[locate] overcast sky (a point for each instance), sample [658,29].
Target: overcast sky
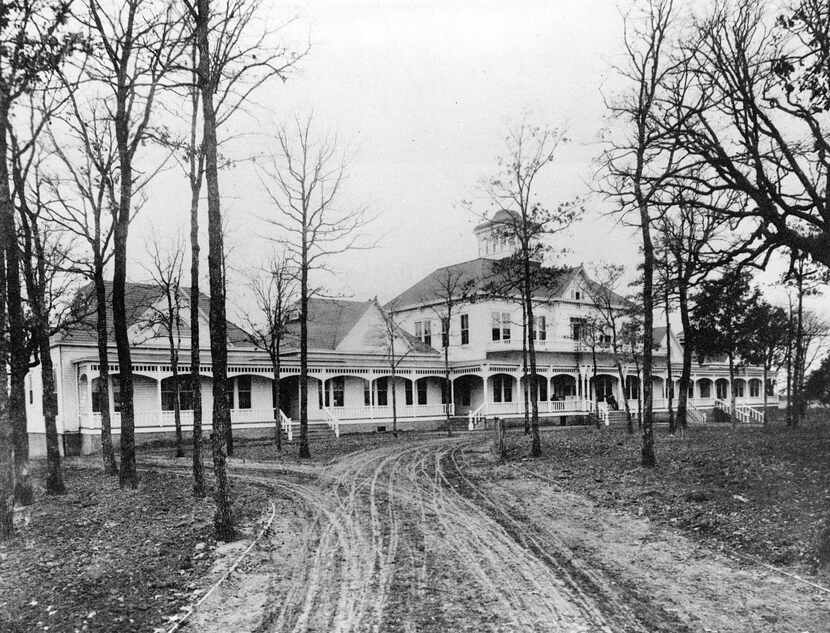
[422,94]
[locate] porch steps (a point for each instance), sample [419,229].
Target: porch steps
[316,431]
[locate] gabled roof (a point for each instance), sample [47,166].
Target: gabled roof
[480,273]
[329,321]
[138,299]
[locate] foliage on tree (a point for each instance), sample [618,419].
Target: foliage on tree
[722,323]
[817,387]
[768,328]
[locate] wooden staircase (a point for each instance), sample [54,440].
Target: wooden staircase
[316,431]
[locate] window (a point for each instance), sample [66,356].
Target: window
[576,294]
[605,340]
[445,332]
[408,392]
[168,394]
[577,328]
[502,388]
[465,329]
[243,386]
[540,332]
[422,391]
[445,392]
[541,389]
[367,393]
[720,389]
[334,392]
[116,394]
[97,395]
[501,326]
[381,384]
[738,387]
[705,389]
[423,331]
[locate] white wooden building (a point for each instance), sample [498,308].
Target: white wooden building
[350,366]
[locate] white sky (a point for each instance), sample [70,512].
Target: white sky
[422,93]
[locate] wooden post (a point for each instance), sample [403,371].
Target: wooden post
[500,432]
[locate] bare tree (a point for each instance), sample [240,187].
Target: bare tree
[7,466]
[83,192]
[140,42]
[304,182]
[275,291]
[641,159]
[391,332]
[166,273]
[34,42]
[523,221]
[611,311]
[451,290]
[228,56]
[752,119]
[48,291]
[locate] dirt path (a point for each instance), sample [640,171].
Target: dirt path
[421,537]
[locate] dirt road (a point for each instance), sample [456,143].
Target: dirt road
[420,536]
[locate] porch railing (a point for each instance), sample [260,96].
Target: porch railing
[286,425]
[475,418]
[333,421]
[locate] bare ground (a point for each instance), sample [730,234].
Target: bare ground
[434,535]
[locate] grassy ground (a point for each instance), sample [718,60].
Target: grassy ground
[103,559]
[762,491]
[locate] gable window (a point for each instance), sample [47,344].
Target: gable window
[422,391]
[577,328]
[540,332]
[407,390]
[500,326]
[381,384]
[445,332]
[502,388]
[423,331]
[465,329]
[576,294]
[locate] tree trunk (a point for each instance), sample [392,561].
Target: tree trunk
[686,371]
[620,374]
[732,408]
[223,519]
[536,445]
[800,353]
[764,387]
[18,357]
[54,476]
[7,465]
[647,453]
[669,376]
[524,368]
[177,407]
[789,364]
[196,162]
[107,450]
[275,395]
[448,391]
[304,452]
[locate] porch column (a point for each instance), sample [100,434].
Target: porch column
[452,397]
[486,395]
[158,399]
[111,402]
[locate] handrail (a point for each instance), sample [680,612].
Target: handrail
[602,409]
[286,425]
[332,421]
[474,417]
[694,414]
